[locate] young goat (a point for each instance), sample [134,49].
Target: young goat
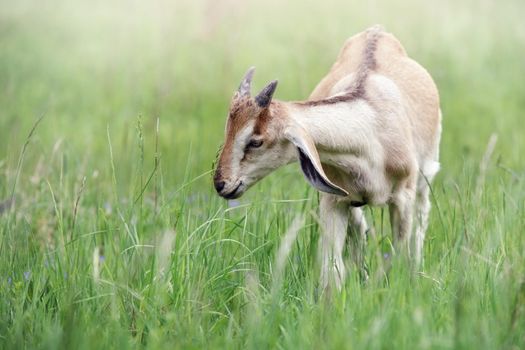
[369,134]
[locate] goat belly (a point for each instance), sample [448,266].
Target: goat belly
[364,185]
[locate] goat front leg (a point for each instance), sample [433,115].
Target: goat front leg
[334,222]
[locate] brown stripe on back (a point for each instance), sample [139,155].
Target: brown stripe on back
[368,64]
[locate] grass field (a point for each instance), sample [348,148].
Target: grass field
[111,235]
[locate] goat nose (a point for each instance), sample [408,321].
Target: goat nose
[219,185]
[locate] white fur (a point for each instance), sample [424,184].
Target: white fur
[352,141]
[350,136]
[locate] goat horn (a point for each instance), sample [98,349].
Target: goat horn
[244,87]
[264,97]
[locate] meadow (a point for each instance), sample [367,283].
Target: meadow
[111,234]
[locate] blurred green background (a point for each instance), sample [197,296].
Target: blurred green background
[89,65]
[102,73]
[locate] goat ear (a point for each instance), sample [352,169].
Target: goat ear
[310,162]
[264,97]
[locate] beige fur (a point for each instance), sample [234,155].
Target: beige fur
[419,93]
[369,134]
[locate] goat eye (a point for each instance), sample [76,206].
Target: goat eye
[254,144]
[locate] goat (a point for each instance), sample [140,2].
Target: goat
[368,135]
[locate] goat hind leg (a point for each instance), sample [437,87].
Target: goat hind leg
[357,240]
[423,208]
[401,212]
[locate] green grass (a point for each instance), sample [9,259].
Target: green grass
[116,238]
